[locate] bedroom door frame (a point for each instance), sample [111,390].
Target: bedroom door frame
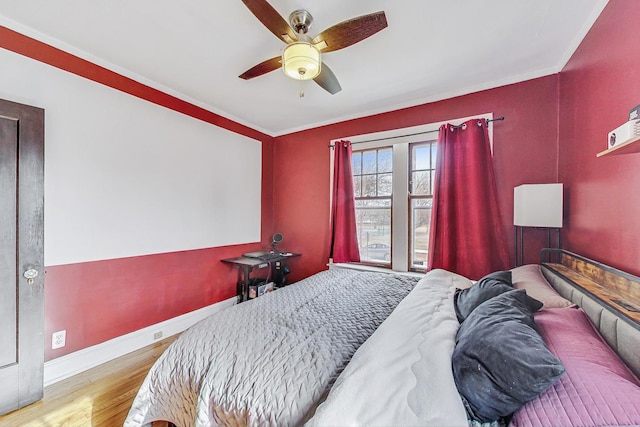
[21,255]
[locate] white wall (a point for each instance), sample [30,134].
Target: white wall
[125,177]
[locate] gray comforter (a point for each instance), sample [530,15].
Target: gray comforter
[269,361]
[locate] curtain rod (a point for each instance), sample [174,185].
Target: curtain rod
[413,134]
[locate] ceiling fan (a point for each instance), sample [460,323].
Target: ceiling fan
[301,58]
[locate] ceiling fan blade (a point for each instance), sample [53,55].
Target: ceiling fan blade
[262,68]
[351,31]
[327,80]
[271,19]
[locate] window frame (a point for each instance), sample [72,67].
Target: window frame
[377,174]
[411,197]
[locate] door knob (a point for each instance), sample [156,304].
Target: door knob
[30,274]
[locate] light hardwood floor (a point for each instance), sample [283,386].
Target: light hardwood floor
[98,397]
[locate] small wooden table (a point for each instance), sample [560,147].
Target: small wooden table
[246,265]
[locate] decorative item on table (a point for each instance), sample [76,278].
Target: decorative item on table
[277,238]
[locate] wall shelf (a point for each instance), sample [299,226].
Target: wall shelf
[626,147]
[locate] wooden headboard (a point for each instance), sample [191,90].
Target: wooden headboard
[610,297]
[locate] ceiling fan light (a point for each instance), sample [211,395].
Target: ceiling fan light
[301,61]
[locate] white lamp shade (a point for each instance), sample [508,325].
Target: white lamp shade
[301,61]
[537,205]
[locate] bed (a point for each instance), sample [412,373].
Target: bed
[346,347]
[271,360]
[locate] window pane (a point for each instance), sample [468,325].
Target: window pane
[433,155]
[421,157]
[385,160]
[420,224]
[432,176]
[369,185]
[356,159]
[421,183]
[374,234]
[385,184]
[373,203]
[357,186]
[369,162]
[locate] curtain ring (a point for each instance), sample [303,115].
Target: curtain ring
[464,126]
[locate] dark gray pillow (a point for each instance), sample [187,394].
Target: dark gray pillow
[491,285]
[500,361]
[503,276]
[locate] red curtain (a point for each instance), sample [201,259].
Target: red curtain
[344,237]
[466,231]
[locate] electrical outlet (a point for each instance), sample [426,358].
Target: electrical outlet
[58,339]
[157,335]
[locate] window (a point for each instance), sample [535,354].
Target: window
[393,174]
[373,177]
[422,158]
[373,182]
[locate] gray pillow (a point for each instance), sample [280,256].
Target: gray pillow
[491,285]
[502,276]
[500,362]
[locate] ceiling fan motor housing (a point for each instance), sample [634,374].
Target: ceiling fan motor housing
[300,21]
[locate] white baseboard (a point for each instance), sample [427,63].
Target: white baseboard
[73,363]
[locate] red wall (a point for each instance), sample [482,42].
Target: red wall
[599,86]
[98,301]
[525,151]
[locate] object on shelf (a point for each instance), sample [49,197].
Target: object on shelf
[624,133]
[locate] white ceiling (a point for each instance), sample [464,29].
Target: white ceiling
[195,49]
